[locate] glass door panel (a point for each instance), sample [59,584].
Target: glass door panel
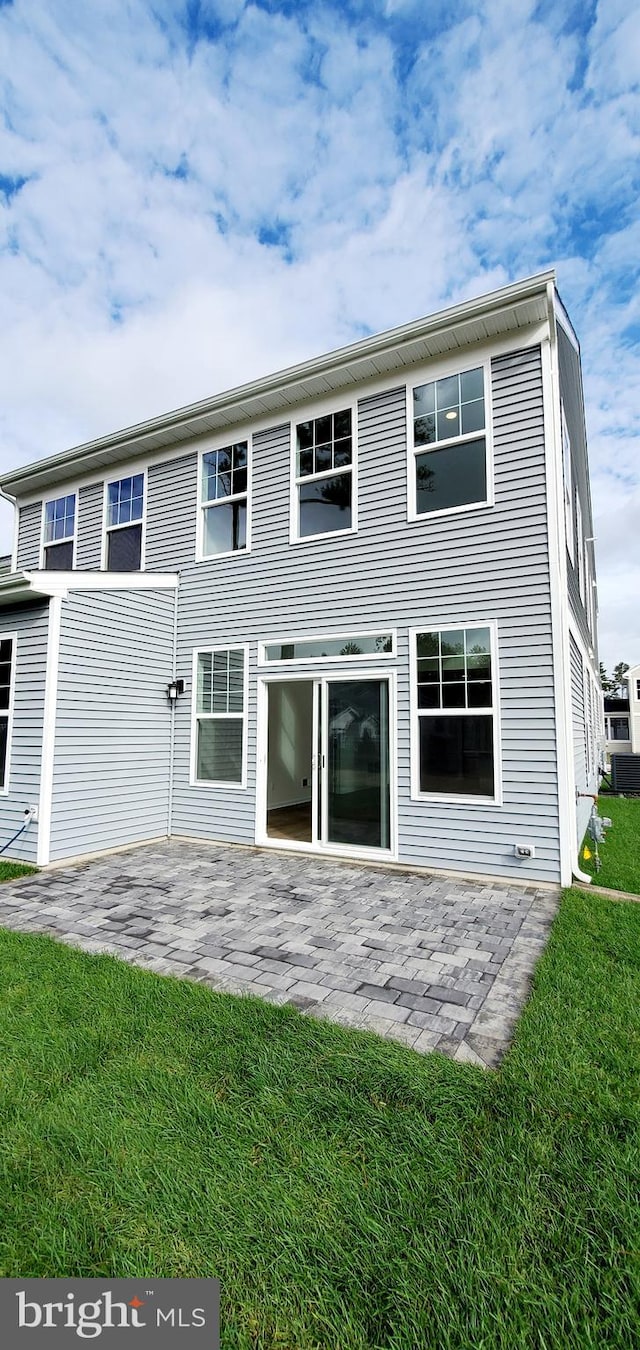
[355,761]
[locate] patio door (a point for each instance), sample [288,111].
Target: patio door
[328,763]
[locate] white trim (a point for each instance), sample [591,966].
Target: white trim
[60,583]
[310,413]
[230,717]
[45,805]
[52,543]
[16,528]
[108,529]
[456,798]
[13,638]
[327,637]
[452,365]
[320,683]
[222,442]
[172,713]
[559,598]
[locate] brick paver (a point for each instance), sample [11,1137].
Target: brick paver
[430,961]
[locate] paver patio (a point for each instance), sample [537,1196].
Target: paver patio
[429,961]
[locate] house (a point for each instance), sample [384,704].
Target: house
[622,718]
[348,609]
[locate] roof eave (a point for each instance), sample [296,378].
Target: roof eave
[294,384]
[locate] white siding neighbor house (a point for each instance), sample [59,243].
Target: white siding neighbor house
[347,609]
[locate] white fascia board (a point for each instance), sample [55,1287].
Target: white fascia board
[292,384]
[45,804]
[60,583]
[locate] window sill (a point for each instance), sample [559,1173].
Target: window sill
[455,799]
[217,557]
[328,534]
[415,516]
[217,783]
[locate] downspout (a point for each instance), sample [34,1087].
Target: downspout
[16,520]
[172,714]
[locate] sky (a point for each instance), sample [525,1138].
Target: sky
[196,194]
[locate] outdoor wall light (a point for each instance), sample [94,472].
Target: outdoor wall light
[174,689]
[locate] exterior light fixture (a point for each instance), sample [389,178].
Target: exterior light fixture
[174,689]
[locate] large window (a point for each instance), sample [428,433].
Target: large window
[125,510]
[7,645]
[455,710]
[224,489]
[59,533]
[617,728]
[324,475]
[220,716]
[449,470]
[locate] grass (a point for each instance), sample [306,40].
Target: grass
[350,1194]
[620,851]
[10,870]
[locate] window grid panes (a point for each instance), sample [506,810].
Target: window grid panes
[224,499]
[125,500]
[324,458]
[59,519]
[318,649]
[450,442]
[220,713]
[454,681]
[6,670]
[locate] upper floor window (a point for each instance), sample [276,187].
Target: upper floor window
[568,490]
[224,496]
[7,649]
[580,548]
[59,533]
[125,510]
[455,709]
[324,490]
[449,470]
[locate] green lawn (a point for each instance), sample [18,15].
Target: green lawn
[349,1193]
[620,852]
[10,870]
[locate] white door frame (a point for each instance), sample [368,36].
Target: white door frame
[319,681]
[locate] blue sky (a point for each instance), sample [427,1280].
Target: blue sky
[195,194]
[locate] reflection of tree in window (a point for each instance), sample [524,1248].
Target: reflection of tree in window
[351,649]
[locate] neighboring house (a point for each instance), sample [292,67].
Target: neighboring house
[349,608]
[622,718]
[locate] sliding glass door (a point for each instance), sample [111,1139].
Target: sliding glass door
[328,769]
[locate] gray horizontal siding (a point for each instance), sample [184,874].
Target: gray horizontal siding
[579,719]
[31,626]
[29,532]
[171,515]
[487,563]
[89,541]
[111,767]
[572,398]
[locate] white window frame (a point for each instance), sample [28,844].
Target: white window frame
[222,443]
[312,413]
[219,784]
[111,529]
[69,539]
[580,547]
[462,799]
[350,658]
[8,713]
[442,372]
[567,485]
[617,717]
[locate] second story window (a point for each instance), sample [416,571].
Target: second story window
[59,534]
[224,487]
[324,475]
[449,472]
[125,509]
